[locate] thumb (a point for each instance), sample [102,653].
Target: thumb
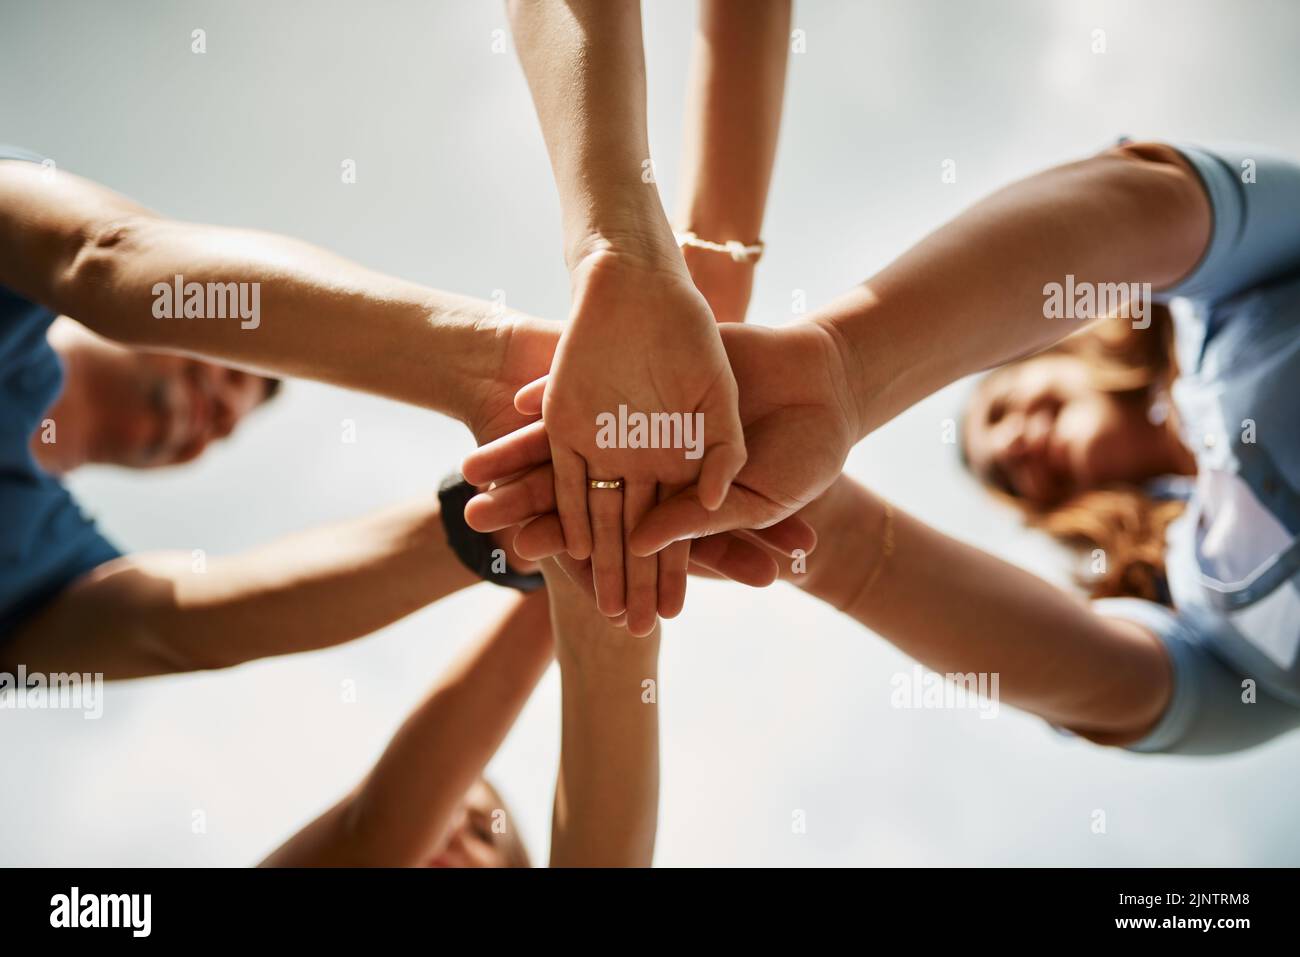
[722,462]
[528,400]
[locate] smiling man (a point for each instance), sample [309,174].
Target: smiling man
[90,374]
[137,409]
[74,399]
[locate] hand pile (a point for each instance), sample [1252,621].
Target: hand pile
[775,410]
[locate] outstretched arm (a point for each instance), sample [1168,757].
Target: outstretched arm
[641,338]
[86,252]
[733,116]
[403,811]
[607,793]
[166,612]
[971,295]
[959,610]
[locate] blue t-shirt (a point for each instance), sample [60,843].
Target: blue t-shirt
[45,541]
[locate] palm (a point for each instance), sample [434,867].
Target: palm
[644,341]
[794,403]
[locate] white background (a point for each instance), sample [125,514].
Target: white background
[770,703]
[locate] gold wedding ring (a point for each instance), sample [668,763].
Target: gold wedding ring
[601,483]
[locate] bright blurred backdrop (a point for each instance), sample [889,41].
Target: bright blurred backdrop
[771,704]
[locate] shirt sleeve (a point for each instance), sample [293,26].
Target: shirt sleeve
[10,152]
[1210,711]
[1255,202]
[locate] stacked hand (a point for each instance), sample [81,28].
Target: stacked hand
[798,427]
[522,349]
[619,353]
[642,350]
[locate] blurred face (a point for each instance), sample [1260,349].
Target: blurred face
[1043,432]
[155,410]
[471,841]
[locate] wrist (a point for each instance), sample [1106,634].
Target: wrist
[725,283]
[418,538]
[852,370]
[484,354]
[718,217]
[465,351]
[846,556]
[632,227]
[606,663]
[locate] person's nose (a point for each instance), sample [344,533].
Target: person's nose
[1023,439]
[226,398]
[1038,426]
[1010,444]
[223,417]
[1018,454]
[457,850]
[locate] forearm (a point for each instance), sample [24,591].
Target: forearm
[402,811]
[585,66]
[958,610]
[733,116]
[112,265]
[169,612]
[971,295]
[321,317]
[607,791]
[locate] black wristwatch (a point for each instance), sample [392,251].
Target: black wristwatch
[475,549]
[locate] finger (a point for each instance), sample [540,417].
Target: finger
[682,516]
[578,572]
[721,463]
[571,501]
[528,400]
[736,559]
[523,566]
[605,506]
[501,506]
[506,539]
[703,571]
[641,574]
[541,538]
[788,536]
[674,563]
[503,457]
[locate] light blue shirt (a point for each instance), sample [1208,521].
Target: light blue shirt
[1233,557]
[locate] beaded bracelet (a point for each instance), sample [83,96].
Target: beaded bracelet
[738,251]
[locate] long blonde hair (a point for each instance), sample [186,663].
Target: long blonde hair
[1122,520]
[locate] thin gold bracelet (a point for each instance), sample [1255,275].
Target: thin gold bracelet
[886,549]
[738,251]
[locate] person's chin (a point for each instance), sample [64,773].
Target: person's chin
[190,451]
